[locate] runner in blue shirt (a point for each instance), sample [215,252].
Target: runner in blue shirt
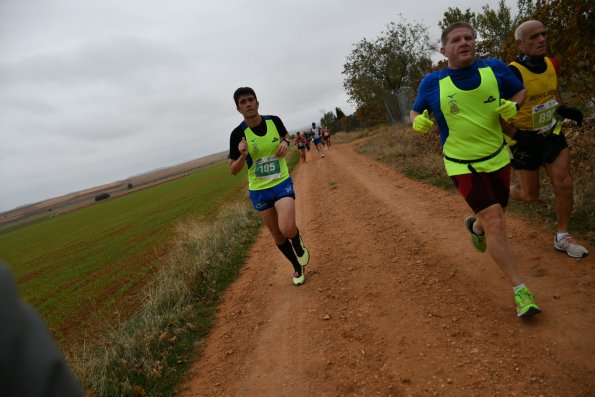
[468,99]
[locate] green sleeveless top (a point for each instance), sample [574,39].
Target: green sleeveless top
[474,125]
[265,169]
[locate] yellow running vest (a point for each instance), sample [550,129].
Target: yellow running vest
[267,170]
[473,125]
[539,109]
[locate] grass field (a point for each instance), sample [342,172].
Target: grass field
[80,267]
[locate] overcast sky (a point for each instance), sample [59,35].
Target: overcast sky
[94,91]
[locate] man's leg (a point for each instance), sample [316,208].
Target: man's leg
[491,220]
[319,148]
[272,220]
[285,209]
[527,187]
[269,217]
[561,179]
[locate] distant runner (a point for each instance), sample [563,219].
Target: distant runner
[261,143]
[315,131]
[326,137]
[301,142]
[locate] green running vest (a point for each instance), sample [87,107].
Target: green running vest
[473,125]
[266,170]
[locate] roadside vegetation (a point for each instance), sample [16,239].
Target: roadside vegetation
[149,352]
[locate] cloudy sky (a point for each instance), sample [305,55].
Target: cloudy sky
[94,91]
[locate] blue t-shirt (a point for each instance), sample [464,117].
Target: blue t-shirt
[428,95]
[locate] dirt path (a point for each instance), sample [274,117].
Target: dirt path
[396,302]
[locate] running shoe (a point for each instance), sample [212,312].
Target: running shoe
[568,245]
[299,280]
[525,303]
[479,241]
[302,254]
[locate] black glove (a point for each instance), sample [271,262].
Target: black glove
[571,113]
[523,137]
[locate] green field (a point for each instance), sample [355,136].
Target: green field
[77,268]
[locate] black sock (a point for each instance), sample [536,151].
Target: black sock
[287,250]
[295,241]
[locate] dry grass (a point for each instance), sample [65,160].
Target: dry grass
[149,353]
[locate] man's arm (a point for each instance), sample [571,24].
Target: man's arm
[519,97]
[236,165]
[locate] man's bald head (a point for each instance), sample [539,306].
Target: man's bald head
[531,38]
[520,32]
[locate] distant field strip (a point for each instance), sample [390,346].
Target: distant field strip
[80,266]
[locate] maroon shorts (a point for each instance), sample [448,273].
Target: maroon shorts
[484,188]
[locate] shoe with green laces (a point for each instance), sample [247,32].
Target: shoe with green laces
[479,241]
[525,303]
[299,279]
[302,254]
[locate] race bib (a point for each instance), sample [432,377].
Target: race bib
[543,115]
[267,168]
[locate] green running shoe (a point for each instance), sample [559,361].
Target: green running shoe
[297,279]
[479,241]
[525,303]
[302,254]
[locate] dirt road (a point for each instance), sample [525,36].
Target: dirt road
[397,302]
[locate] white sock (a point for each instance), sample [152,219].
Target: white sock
[560,236]
[518,287]
[479,232]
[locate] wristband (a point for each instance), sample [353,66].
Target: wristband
[286,140]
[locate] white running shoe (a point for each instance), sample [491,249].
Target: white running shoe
[568,245]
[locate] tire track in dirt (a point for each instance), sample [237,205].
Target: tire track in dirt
[396,302]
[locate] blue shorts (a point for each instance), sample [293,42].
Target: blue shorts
[317,141]
[265,199]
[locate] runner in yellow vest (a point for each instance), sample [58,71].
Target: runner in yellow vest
[261,143]
[536,131]
[468,101]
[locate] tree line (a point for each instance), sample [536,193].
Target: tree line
[379,71]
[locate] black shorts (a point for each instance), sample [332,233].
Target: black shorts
[538,150]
